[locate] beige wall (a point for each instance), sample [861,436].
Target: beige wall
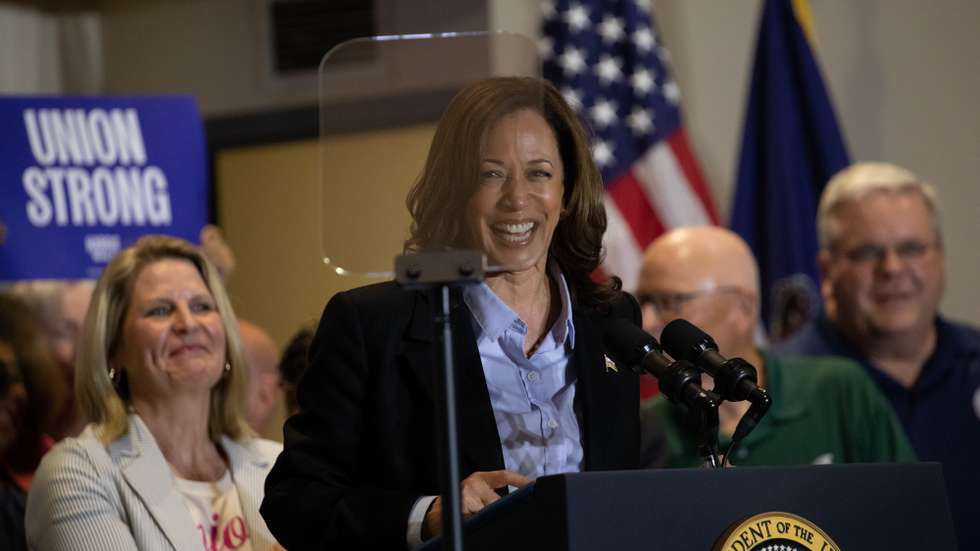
[269,203]
[217,50]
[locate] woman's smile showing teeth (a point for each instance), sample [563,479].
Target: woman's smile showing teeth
[514,233]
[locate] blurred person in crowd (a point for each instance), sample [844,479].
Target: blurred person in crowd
[13,402]
[217,251]
[169,461]
[13,396]
[262,388]
[824,410]
[60,306]
[29,384]
[509,173]
[292,366]
[882,261]
[45,389]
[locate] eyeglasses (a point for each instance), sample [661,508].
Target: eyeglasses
[908,251]
[669,302]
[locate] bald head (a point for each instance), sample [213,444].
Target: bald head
[705,274]
[263,380]
[699,257]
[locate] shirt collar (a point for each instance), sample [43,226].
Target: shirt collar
[940,363]
[492,316]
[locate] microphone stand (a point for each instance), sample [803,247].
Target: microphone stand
[675,385]
[702,403]
[707,434]
[439,273]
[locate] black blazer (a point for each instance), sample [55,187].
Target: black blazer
[364,448]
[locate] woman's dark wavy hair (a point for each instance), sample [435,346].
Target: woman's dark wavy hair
[437,201]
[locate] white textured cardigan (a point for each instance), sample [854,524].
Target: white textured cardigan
[87,496]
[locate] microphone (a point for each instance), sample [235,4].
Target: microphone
[735,379]
[680,381]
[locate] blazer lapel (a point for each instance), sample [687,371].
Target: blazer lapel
[598,395]
[417,350]
[248,470]
[148,474]
[479,440]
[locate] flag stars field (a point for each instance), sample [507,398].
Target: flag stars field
[602,153]
[640,121]
[644,40]
[608,70]
[642,81]
[611,29]
[572,61]
[603,113]
[577,17]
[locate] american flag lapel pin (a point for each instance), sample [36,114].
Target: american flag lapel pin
[610,365]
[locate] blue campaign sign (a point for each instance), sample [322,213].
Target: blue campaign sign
[83,177]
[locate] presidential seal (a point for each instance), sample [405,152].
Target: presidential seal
[775,531]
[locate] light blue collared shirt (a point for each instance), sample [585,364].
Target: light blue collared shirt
[533,398]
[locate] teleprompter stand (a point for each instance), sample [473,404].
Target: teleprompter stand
[438,273]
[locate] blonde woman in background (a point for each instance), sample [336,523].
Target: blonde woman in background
[169,462]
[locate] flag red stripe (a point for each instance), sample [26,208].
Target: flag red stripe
[682,152]
[648,387]
[632,203]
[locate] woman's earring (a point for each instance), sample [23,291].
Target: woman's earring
[227,367]
[114,376]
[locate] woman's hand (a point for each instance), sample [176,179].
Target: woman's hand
[478,492]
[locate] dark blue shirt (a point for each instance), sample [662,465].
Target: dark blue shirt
[940,412]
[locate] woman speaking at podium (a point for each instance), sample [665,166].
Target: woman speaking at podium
[509,173]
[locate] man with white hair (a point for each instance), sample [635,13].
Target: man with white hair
[825,410]
[882,261]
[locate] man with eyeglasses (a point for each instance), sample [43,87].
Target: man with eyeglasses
[825,410]
[881,258]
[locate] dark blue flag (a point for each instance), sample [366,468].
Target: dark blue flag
[791,146]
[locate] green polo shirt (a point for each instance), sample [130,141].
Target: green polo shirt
[824,410]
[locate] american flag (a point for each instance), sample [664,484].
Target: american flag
[607,59]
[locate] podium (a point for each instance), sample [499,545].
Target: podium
[866,507]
